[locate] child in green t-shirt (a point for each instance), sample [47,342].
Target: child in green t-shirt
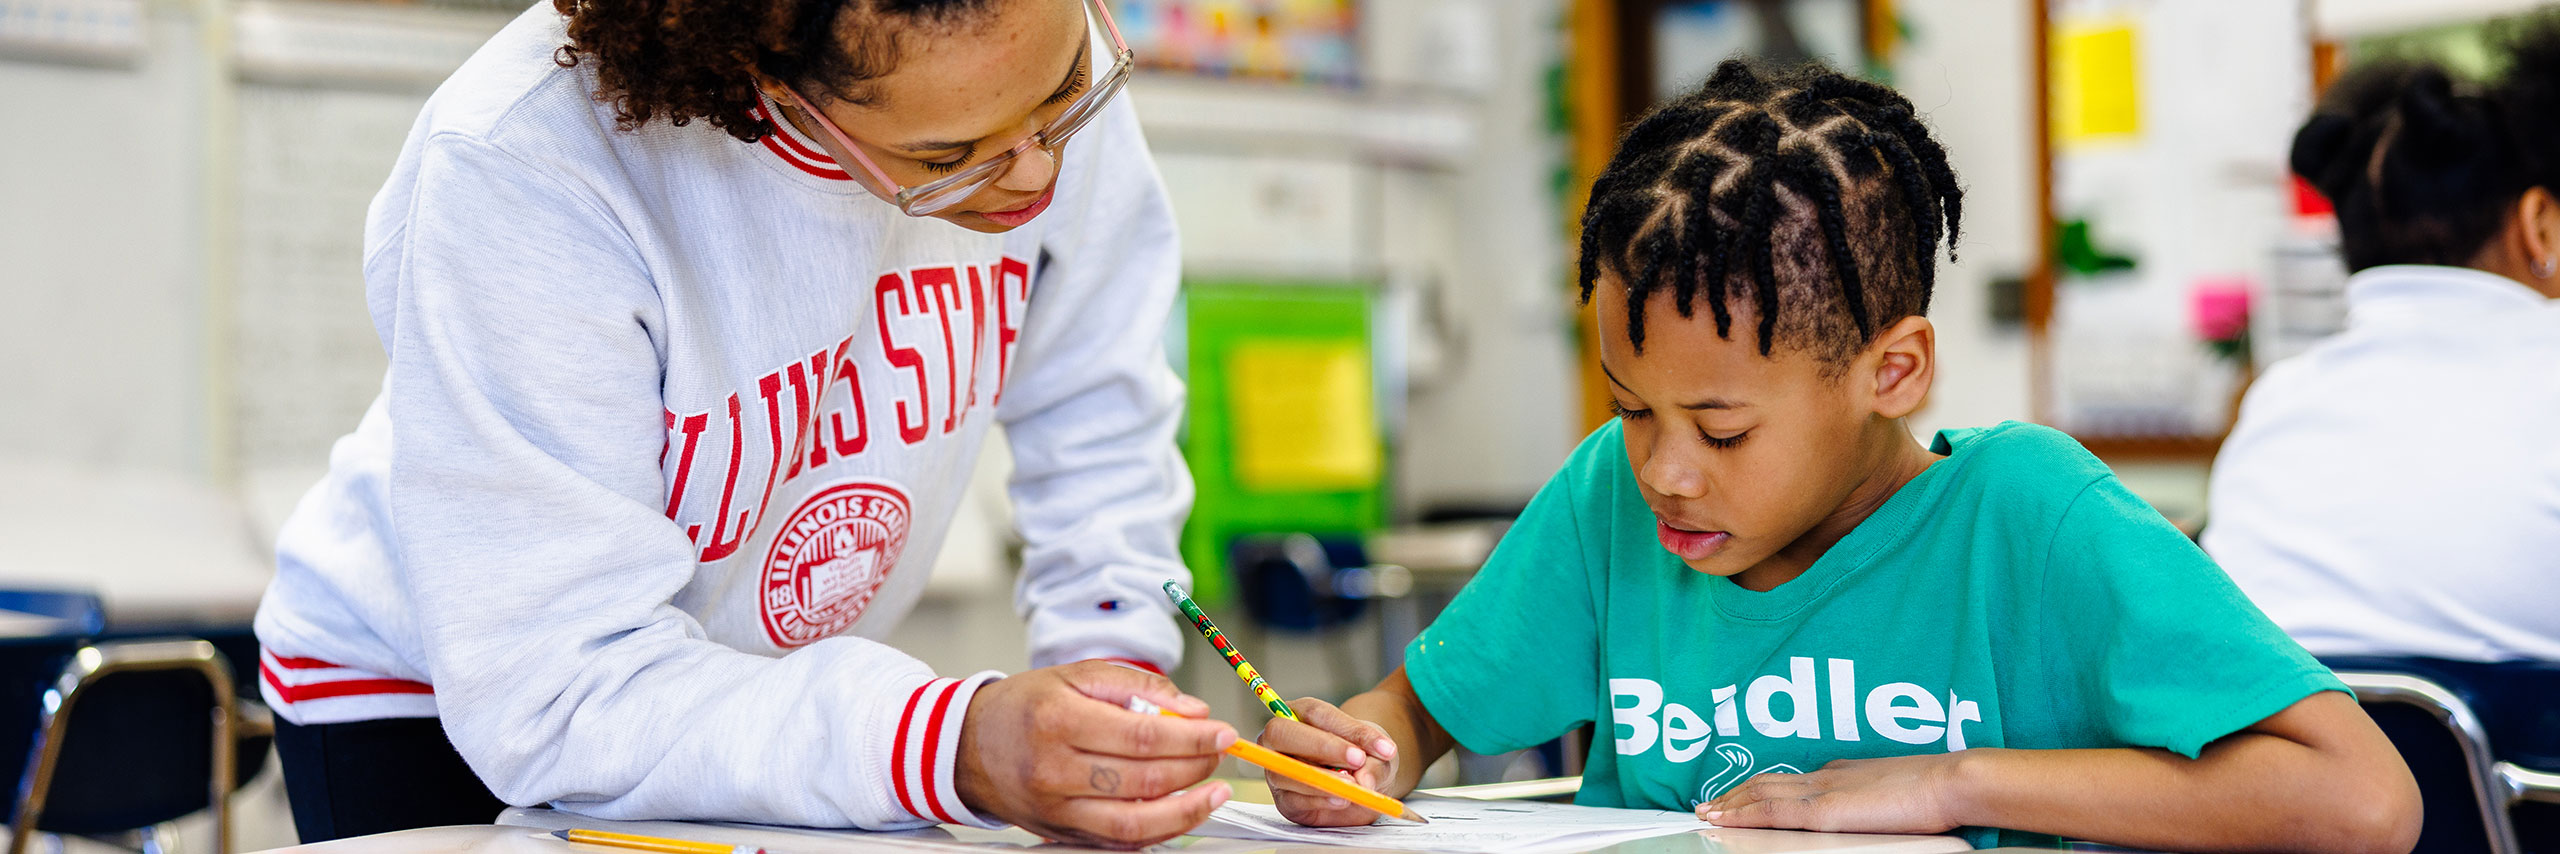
[1987,631]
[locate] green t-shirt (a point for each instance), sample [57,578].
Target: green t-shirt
[2013,594]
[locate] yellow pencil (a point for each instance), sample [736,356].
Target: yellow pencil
[651,843]
[1290,767]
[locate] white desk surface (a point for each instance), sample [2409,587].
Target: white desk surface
[157,548]
[527,831]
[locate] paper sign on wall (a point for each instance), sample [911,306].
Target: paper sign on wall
[1302,414]
[2097,81]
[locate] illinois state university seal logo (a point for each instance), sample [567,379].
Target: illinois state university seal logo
[830,558]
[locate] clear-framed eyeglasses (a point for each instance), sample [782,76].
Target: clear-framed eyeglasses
[941,193]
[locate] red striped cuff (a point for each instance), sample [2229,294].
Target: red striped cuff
[923,759]
[1133,664]
[295,680]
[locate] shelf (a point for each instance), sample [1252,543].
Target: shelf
[416,47]
[1410,129]
[95,32]
[363,44]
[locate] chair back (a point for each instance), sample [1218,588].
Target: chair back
[2448,752]
[1303,582]
[138,753]
[127,734]
[39,630]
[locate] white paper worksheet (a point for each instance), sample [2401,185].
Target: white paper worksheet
[1463,825]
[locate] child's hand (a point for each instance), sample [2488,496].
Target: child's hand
[1903,794]
[1328,737]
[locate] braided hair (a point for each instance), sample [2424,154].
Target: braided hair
[1778,185]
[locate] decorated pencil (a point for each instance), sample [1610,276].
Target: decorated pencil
[1244,669]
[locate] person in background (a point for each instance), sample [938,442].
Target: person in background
[2395,490]
[698,314]
[2391,497]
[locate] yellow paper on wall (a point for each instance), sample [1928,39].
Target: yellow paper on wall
[1302,414]
[2097,81]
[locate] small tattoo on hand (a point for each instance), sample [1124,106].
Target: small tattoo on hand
[1105,780]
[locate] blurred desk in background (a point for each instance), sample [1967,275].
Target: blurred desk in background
[1441,558]
[164,552]
[1451,551]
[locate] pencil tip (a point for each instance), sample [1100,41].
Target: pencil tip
[560,833]
[1415,817]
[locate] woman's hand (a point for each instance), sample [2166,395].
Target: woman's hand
[1057,751]
[1328,737]
[1903,794]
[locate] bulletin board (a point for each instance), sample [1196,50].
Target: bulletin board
[1630,54]
[1691,37]
[1313,41]
[1282,432]
[2169,211]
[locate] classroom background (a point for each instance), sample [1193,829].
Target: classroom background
[1380,332]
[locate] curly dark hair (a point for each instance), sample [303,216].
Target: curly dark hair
[2423,165]
[2418,164]
[1822,196]
[697,59]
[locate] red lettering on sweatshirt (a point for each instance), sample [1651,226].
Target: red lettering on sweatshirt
[723,545]
[799,375]
[905,358]
[768,387]
[693,426]
[847,445]
[812,429]
[977,326]
[1009,271]
[939,287]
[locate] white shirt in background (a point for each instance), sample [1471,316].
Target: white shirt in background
[673,429]
[2396,489]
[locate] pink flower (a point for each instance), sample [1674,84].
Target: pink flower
[2220,308]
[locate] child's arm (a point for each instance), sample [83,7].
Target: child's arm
[2318,776]
[1382,739]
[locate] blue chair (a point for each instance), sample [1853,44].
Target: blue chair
[115,736]
[1302,582]
[2468,792]
[46,614]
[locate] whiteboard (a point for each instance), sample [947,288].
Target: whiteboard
[306,359]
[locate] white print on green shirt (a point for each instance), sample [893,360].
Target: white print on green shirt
[1899,711]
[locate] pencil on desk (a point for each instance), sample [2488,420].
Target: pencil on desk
[1290,767]
[1244,669]
[637,842]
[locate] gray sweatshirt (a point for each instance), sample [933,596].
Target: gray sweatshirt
[673,429]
